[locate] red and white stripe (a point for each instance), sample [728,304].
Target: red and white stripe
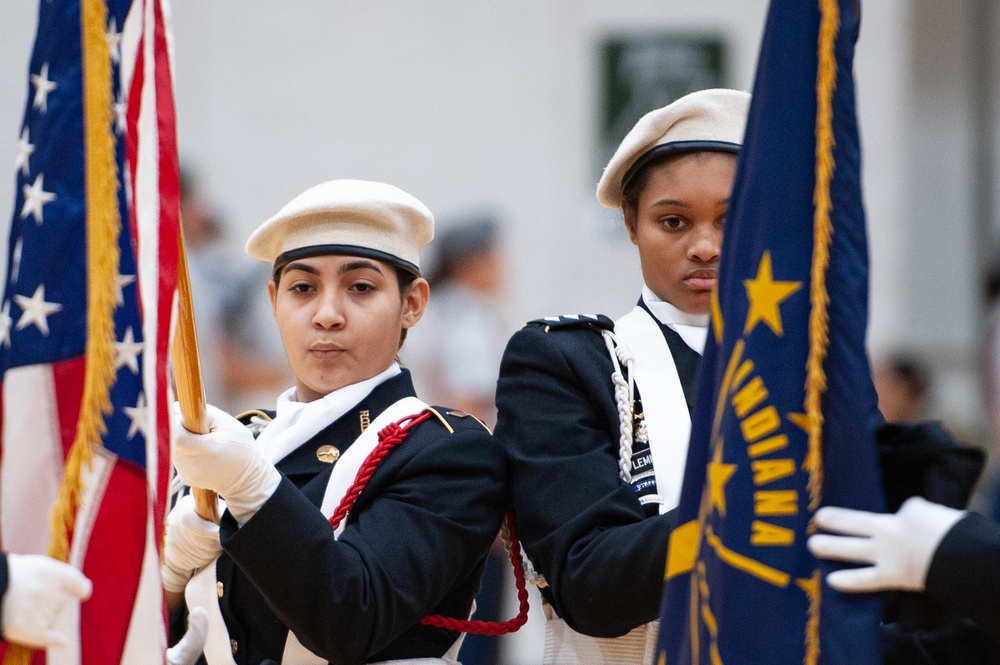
[119,526]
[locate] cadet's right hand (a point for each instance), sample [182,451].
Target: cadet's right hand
[38,589]
[191,544]
[226,461]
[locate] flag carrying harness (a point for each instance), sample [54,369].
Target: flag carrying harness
[391,436]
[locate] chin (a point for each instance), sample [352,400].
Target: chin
[698,304]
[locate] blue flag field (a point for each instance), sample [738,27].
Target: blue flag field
[786,409]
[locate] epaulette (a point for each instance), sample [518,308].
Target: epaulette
[598,321]
[256,420]
[441,412]
[247,416]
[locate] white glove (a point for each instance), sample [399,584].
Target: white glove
[188,650]
[226,461]
[899,547]
[191,544]
[38,589]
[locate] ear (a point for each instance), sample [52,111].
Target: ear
[415,301]
[272,293]
[631,222]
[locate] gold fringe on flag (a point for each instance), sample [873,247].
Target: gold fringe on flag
[103,228]
[819,320]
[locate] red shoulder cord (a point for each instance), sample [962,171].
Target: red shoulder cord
[391,436]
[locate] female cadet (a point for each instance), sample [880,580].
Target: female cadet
[289,588]
[594,415]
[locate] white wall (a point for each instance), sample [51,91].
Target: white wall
[466,105]
[494,104]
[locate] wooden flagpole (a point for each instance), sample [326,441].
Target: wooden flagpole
[187,375]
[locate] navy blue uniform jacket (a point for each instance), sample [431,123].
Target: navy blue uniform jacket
[965,572]
[414,544]
[580,524]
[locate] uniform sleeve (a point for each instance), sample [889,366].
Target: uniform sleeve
[3,582]
[964,574]
[579,522]
[423,534]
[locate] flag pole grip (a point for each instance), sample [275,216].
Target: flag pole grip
[187,376]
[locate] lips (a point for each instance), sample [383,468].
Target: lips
[325,349]
[701,280]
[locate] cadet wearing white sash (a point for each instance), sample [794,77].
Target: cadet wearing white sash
[594,415]
[279,584]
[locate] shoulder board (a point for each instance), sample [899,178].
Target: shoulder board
[247,416]
[452,418]
[598,321]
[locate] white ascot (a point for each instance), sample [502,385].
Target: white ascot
[297,422]
[693,328]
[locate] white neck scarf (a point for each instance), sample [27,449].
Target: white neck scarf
[693,328]
[297,422]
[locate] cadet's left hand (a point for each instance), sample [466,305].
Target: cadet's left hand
[38,589]
[899,547]
[226,461]
[190,544]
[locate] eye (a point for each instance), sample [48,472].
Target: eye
[672,222]
[300,287]
[362,287]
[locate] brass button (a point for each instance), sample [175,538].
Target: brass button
[234,645]
[327,454]
[219,588]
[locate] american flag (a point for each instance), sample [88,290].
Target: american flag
[59,273]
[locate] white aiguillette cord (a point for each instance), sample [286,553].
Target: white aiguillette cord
[664,408]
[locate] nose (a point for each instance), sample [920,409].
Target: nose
[329,312]
[706,244]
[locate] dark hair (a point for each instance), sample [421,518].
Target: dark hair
[634,186]
[461,241]
[911,371]
[991,277]
[405,279]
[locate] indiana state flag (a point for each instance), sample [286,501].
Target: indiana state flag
[786,410]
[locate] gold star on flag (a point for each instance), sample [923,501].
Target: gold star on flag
[718,475]
[766,296]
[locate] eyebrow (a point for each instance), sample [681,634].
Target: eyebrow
[300,265]
[685,204]
[672,202]
[359,264]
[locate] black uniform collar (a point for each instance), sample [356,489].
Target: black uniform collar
[346,429]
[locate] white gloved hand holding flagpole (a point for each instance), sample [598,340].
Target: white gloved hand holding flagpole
[38,589]
[899,547]
[191,544]
[226,461]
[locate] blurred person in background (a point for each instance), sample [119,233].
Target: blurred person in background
[903,384]
[989,350]
[456,352]
[240,349]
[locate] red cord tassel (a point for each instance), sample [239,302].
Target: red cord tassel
[391,436]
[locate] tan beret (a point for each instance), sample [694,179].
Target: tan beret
[704,120]
[351,217]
